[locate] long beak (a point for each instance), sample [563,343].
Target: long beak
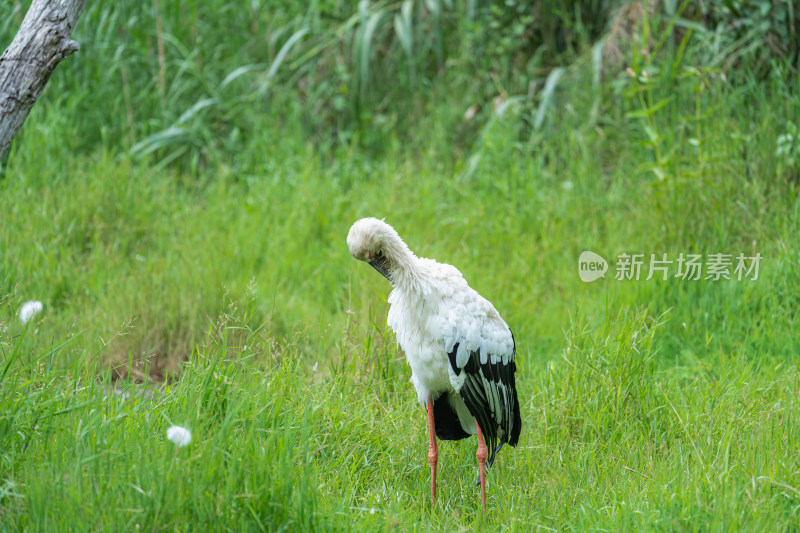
[379,264]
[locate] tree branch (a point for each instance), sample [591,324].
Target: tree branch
[41,43]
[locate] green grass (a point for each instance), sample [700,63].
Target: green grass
[199,276]
[611,441]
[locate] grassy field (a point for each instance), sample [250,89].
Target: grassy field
[179,200]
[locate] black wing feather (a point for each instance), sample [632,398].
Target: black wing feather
[487,385]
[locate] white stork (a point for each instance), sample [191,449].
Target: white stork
[460,350]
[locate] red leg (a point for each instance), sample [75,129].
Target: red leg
[433,452]
[481,455]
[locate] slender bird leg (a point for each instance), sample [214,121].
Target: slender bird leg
[481,455]
[433,452]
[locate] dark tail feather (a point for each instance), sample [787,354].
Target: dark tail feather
[448,425]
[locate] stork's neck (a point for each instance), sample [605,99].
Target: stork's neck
[405,269]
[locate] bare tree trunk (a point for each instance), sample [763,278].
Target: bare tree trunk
[25,67]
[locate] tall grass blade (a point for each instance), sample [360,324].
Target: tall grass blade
[547,97]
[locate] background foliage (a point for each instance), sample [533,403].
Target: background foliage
[179,200]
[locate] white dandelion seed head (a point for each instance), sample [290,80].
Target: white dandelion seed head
[29,309]
[179,435]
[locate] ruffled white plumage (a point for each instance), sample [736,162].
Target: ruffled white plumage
[433,309]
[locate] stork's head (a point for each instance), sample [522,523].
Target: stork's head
[377,243]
